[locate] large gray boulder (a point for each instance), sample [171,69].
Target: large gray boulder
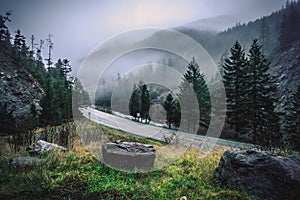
[261,174]
[129,156]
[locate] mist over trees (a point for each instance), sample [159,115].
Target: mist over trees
[119,86]
[266,29]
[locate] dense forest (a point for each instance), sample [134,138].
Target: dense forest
[57,85]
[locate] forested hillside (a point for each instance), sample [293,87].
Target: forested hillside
[32,93]
[266,29]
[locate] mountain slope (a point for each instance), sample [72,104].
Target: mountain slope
[218,23]
[285,68]
[220,43]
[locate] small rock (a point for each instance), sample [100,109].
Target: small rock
[41,146]
[8,77]
[24,161]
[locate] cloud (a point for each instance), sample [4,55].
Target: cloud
[152,13]
[78,26]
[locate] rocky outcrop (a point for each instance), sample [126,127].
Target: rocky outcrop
[18,88]
[128,156]
[261,174]
[285,68]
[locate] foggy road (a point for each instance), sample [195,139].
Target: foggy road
[158,133]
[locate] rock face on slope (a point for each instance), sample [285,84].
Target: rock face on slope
[18,88]
[285,67]
[261,174]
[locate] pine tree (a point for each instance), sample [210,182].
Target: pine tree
[194,79]
[135,104]
[292,128]
[263,121]
[172,108]
[176,113]
[145,102]
[20,44]
[234,67]
[4,32]
[65,71]
[80,97]
[189,107]
[168,105]
[48,114]
[62,91]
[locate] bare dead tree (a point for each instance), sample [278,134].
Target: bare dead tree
[50,47]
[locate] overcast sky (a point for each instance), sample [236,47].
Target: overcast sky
[80,25]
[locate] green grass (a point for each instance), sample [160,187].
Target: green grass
[78,175]
[113,135]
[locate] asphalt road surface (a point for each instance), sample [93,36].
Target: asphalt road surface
[159,133]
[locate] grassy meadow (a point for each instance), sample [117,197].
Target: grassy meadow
[76,174]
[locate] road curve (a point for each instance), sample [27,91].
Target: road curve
[158,133]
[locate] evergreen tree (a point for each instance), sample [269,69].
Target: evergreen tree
[234,79]
[168,105]
[139,104]
[263,121]
[145,102]
[189,107]
[20,44]
[59,92]
[194,79]
[292,128]
[135,104]
[176,112]
[38,71]
[80,97]
[48,115]
[64,89]
[4,32]
[172,108]
[65,71]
